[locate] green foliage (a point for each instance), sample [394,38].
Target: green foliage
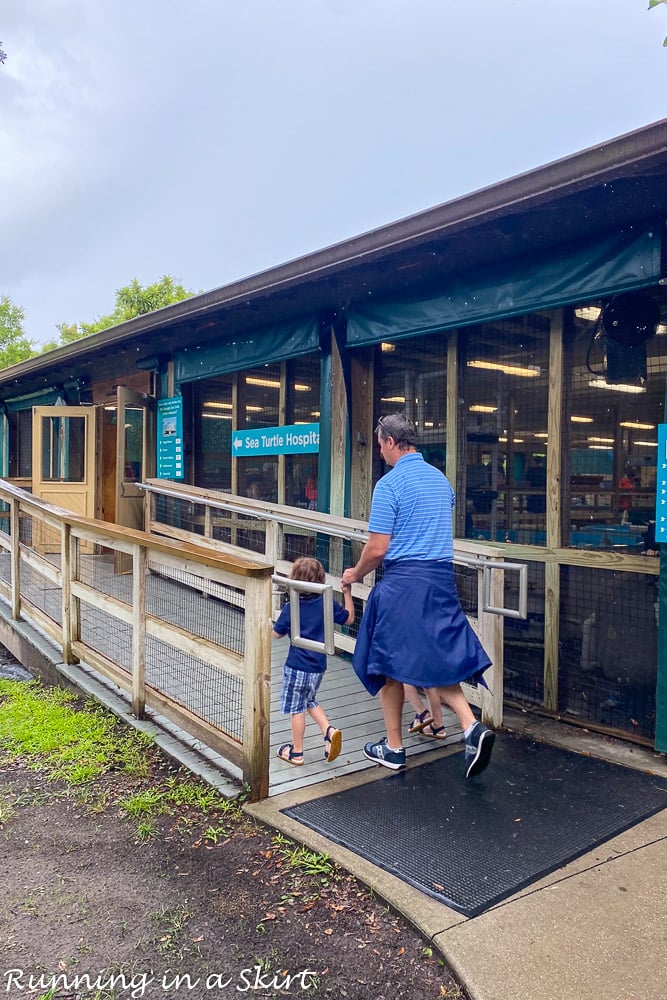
[300,858]
[131,301]
[42,726]
[656,3]
[14,345]
[51,731]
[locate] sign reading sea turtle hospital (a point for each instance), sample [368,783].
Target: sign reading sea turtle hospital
[661,487]
[295,439]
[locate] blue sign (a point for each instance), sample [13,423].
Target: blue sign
[661,487]
[295,439]
[170,438]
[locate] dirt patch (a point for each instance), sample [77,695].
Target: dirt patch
[194,911]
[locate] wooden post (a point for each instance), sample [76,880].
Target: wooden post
[66,592]
[139,562]
[553,520]
[257,686]
[14,529]
[455,440]
[491,633]
[338,431]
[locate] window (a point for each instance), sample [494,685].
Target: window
[411,378]
[611,437]
[505,372]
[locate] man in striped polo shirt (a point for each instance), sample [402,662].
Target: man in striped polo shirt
[414,630]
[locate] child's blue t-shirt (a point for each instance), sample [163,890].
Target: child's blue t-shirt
[311,614]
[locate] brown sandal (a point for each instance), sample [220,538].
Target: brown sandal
[335,741]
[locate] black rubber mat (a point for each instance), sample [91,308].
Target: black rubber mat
[473,843]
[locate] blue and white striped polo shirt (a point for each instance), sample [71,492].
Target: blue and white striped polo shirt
[414,504]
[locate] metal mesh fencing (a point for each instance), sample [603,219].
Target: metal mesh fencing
[208,691]
[523,647]
[609,634]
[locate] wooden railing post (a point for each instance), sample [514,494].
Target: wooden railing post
[257,686]
[139,563]
[14,527]
[491,630]
[66,591]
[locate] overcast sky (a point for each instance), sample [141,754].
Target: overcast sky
[210,139]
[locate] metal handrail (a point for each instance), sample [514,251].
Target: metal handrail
[296,587]
[487,565]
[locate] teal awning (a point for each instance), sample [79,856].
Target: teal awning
[563,276]
[258,347]
[48,397]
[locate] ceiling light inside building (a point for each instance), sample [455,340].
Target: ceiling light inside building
[647,444]
[268,383]
[637,425]
[581,420]
[393,399]
[591,313]
[482,408]
[387,347]
[522,371]
[599,383]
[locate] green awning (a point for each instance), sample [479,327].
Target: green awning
[564,276]
[258,347]
[48,397]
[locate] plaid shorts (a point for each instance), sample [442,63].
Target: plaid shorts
[299,691]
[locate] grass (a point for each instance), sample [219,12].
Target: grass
[79,744]
[41,726]
[303,860]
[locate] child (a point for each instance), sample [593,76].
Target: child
[304,668]
[427,721]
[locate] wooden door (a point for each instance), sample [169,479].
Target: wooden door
[63,464]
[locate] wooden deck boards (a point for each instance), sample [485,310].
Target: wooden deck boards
[351,710]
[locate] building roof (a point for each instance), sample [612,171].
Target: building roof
[604,189]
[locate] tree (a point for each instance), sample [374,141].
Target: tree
[132,300]
[14,345]
[3,54]
[656,3]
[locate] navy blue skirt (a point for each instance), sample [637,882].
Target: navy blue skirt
[415,631]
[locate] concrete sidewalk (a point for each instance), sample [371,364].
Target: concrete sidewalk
[593,930]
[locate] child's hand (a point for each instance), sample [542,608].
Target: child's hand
[346,587]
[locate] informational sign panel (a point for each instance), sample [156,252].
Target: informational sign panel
[170,438]
[295,439]
[661,487]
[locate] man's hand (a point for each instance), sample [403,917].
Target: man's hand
[372,555]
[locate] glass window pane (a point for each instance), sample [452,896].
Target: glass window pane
[63,449]
[411,378]
[134,438]
[213,433]
[504,424]
[303,407]
[611,437]
[259,406]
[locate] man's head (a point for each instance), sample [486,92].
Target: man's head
[396,434]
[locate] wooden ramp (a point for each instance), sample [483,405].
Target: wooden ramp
[352,710]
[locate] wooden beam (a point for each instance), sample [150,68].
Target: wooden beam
[553,515]
[362,438]
[257,688]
